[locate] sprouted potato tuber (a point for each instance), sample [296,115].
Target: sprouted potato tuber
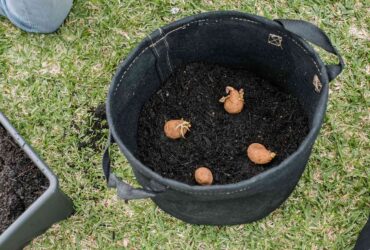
[234,101]
[176,129]
[203,176]
[258,154]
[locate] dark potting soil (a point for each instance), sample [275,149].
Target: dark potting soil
[21,182]
[217,139]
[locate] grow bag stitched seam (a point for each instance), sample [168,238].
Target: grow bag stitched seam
[244,20]
[155,49]
[138,56]
[128,68]
[205,20]
[167,50]
[157,57]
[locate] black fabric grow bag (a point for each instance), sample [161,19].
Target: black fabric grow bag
[363,241]
[276,50]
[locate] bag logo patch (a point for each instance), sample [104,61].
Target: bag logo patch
[275,40]
[317,83]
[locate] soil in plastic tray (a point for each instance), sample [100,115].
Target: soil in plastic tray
[21,182]
[217,139]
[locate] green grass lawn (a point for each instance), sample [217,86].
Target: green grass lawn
[48,84]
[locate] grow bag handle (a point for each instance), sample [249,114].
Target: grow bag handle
[124,190]
[315,35]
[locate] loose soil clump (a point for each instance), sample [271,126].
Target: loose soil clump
[97,124]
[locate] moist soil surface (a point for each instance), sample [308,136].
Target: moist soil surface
[21,182]
[217,139]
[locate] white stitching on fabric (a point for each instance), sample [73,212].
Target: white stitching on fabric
[167,52]
[145,49]
[244,20]
[156,52]
[128,68]
[184,27]
[155,49]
